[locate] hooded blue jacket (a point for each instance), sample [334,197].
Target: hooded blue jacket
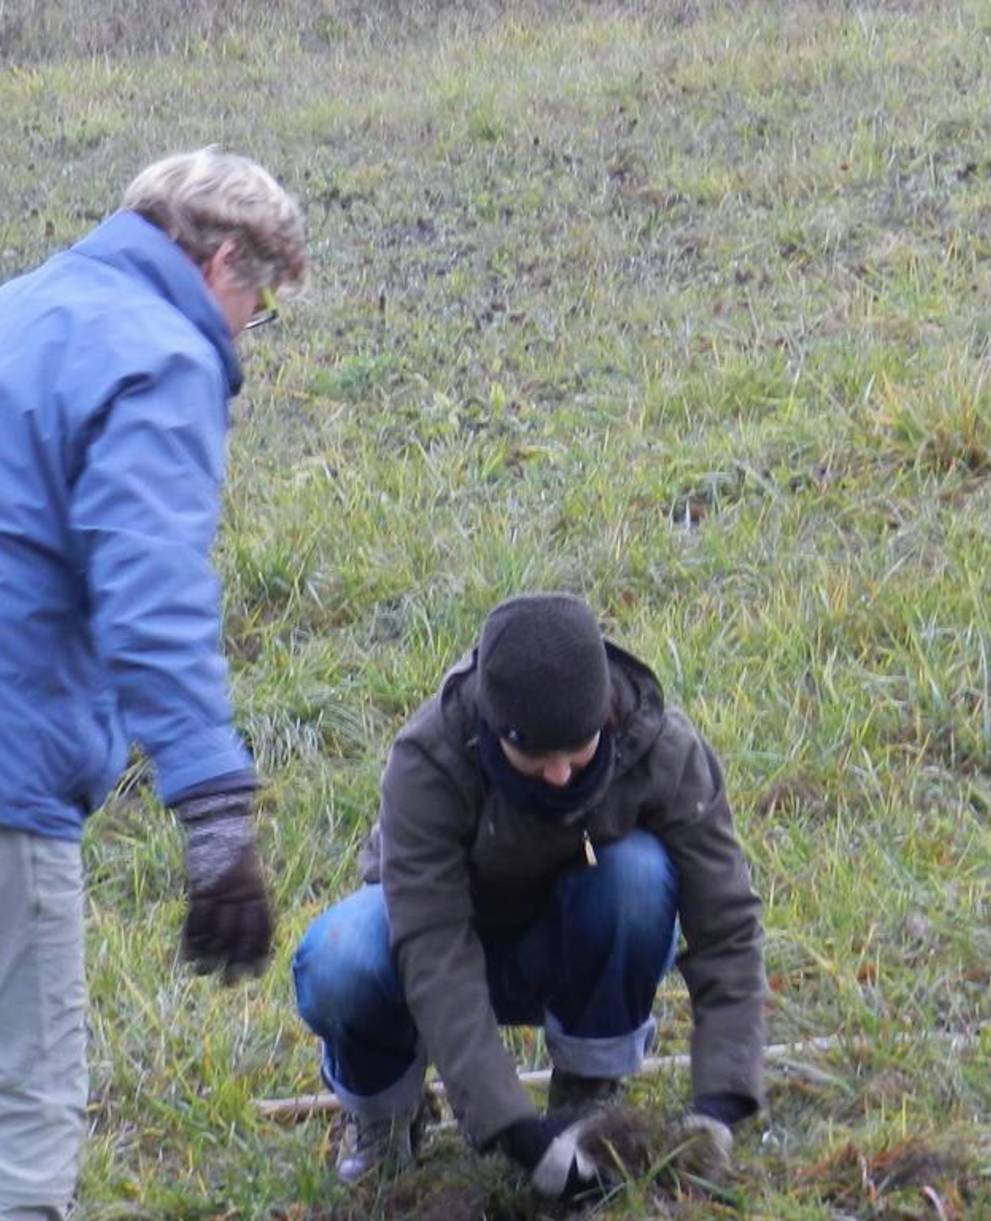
[116,366]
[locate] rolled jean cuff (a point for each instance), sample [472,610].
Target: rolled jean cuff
[403,1095]
[618,1055]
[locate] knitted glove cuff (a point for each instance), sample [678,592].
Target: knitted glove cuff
[239,802]
[218,832]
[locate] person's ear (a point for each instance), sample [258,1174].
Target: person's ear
[219,267]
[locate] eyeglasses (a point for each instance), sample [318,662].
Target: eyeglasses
[268,313]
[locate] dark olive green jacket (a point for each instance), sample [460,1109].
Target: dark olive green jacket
[453,855]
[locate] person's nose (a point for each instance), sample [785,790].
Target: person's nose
[557,772]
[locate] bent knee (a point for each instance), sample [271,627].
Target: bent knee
[342,961]
[639,864]
[642,880]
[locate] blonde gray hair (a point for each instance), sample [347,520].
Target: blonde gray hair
[202,198]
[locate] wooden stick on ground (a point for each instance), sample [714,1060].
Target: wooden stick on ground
[778,1055]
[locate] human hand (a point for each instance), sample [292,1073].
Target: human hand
[551,1150]
[228,923]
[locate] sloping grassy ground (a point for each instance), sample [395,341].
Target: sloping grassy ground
[682,307]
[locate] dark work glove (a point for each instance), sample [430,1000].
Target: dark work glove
[549,1148]
[228,923]
[727,1108]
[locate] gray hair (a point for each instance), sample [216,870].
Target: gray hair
[202,198]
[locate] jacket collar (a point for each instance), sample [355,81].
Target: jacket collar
[137,247]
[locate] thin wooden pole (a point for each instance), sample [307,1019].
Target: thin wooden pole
[778,1056]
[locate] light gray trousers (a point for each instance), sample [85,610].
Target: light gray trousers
[42,1025]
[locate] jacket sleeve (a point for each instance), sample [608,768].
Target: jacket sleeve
[143,515]
[426,831]
[722,963]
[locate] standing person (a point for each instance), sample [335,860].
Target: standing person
[117,362]
[546,823]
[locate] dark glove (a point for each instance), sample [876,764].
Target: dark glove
[727,1108]
[549,1148]
[228,922]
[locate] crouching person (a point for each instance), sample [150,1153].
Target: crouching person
[546,824]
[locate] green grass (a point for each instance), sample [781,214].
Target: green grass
[682,307]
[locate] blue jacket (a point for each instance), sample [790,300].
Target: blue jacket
[116,366]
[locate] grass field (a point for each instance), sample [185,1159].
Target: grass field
[681,306]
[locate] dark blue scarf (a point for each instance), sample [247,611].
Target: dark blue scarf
[536,796]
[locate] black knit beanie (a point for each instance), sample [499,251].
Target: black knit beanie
[543,674]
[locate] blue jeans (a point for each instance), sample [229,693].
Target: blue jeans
[587,970]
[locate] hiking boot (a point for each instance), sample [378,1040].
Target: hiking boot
[569,1092]
[388,1145]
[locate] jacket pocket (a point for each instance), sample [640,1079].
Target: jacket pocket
[103,753]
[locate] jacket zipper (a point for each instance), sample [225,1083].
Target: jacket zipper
[590,858]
